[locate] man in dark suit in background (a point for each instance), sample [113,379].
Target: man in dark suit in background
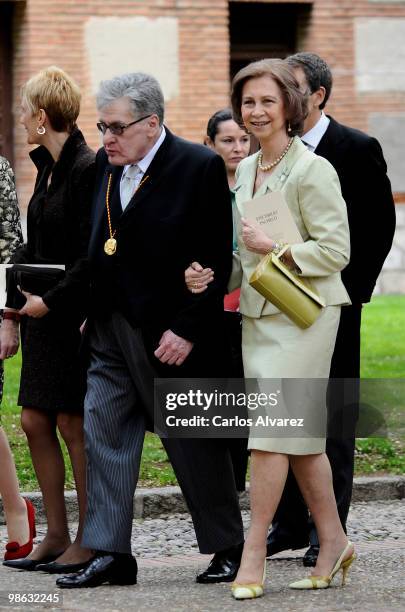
[160,202]
[360,165]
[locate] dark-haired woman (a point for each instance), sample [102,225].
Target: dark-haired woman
[229,140]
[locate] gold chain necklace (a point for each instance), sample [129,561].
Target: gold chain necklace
[276,161]
[110,245]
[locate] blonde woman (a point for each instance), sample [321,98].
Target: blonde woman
[52,383]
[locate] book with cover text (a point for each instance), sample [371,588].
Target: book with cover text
[273,216]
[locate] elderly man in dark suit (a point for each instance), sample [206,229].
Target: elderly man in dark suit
[360,165]
[160,201]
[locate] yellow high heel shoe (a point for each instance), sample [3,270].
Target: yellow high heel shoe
[249,591]
[323,582]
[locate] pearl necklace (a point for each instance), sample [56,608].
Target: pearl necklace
[276,161]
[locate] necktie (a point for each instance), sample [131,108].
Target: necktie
[128,184]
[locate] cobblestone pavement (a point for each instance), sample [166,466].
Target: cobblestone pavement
[168,561]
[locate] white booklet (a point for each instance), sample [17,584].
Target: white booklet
[273,216]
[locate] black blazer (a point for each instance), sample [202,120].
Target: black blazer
[181,213]
[359,162]
[58,219]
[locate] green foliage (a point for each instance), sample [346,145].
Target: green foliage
[383,357]
[379,455]
[156,470]
[383,338]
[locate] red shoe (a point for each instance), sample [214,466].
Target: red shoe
[13,549]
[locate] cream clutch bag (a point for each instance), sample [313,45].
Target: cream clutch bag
[290,293]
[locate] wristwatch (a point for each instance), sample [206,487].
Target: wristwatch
[277,248]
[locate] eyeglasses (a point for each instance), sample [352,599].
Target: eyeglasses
[118,128]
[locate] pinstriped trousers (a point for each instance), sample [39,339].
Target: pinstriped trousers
[119,395]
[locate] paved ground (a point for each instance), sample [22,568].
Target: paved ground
[168,560]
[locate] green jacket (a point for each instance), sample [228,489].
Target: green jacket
[312,191]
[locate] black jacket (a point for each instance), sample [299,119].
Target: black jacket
[360,165]
[181,213]
[58,218]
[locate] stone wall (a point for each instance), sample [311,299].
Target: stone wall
[392,277]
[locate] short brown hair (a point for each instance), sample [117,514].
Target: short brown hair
[316,70]
[57,94]
[295,103]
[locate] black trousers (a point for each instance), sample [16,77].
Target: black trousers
[237,446]
[292,514]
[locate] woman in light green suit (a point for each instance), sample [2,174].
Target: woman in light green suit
[267,99]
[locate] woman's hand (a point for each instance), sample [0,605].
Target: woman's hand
[9,338]
[34,307]
[255,239]
[198,278]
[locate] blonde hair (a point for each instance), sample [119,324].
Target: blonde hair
[57,94]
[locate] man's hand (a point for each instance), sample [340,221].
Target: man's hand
[173,350]
[9,338]
[34,306]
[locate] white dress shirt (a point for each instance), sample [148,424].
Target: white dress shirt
[142,165]
[313,137]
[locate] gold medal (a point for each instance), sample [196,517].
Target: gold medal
[110,246]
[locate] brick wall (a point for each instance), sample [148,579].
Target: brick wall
[330,33]
[50,32]
[6,141]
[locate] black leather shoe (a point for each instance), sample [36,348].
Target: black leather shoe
[279,540]
[223,566]
[107,567]
[311,556]
[61,568]
[29,565]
